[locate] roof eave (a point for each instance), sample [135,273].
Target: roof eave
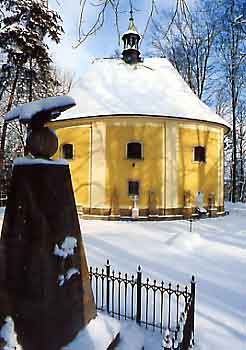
[225,125]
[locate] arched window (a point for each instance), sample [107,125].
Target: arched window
[199,154]
[134,150]
[67,151]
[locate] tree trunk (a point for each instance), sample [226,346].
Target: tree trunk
[241,162]
[9,106]
[234,132]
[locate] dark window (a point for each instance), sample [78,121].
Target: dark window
[67,151]
[134,150]
[133,188]
[199,154]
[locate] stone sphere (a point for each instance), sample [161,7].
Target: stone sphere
[42,142]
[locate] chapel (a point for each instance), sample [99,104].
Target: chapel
[140,143]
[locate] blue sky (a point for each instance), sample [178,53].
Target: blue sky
[105,42]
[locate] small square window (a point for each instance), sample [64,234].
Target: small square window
[199,154]
[67,151]
[133,188]
[134,150]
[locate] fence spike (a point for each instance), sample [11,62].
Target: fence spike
[193,294]
[138,289]
[139,295]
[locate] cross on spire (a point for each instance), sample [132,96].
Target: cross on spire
[131,19]
[131,11]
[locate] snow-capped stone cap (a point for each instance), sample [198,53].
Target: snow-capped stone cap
[52,106]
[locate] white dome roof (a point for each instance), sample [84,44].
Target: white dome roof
[150,88]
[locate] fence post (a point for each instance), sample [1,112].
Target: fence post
[193,294]
[139,295]
[108,285]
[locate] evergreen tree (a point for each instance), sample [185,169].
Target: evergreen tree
[24,26]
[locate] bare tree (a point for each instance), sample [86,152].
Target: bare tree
[117,7]
[207,45]
[230,46]
[187,41]
[241,149]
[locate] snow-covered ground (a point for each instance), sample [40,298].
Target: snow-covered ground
[214,252]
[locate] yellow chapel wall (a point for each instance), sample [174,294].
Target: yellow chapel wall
[79,136]
[149,171]
[205,176]
[100,168]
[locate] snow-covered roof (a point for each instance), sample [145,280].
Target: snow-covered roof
[151,88]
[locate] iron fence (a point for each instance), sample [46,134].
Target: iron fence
[159,306]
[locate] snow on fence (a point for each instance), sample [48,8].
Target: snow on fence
[159,306]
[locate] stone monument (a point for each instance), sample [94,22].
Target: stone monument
[45,292]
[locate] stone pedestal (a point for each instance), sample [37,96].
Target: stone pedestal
[212,212]
[135,213]
[48,295]
[187,212]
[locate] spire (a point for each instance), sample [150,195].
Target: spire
[131,26]
[131,38]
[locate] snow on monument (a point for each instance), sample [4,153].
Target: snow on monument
[46,299]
